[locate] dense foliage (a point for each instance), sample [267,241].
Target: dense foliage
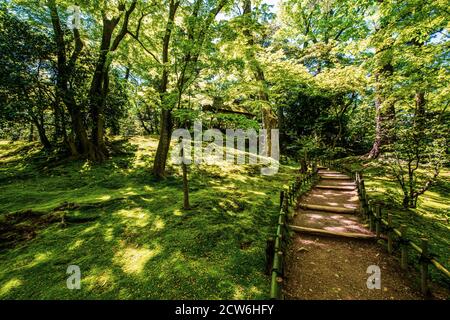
[336,77]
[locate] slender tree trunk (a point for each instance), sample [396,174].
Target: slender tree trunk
[187,72]
[281,127]
[41,132]
[186,205]
[384,113]
[376,147]
[159,166]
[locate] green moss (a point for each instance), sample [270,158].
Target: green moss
[141,244]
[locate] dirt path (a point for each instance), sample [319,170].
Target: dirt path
[321,267]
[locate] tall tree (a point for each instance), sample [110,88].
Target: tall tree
[66,63]
[269,118]
[384,107]
[198,20]
[100,81]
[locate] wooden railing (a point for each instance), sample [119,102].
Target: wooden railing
[276,247]
[381,224]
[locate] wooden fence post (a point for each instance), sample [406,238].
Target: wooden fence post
[424,266]
[389,233]
[362,191]
[378,221]
[286,205]
[366,205]
[371,220]
[404,248]
[281,257]
[281,198]
[270,251]
[289,194]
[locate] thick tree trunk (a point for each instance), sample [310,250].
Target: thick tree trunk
[97,107]
[58,115]
[84,146]
[99,91]
[31,133]
[65,68]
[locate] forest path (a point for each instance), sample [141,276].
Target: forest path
[324,267]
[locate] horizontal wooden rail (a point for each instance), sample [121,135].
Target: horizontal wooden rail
[333,233]
[327,208]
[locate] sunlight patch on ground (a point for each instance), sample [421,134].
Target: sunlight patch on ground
[99,280]
[238,293]
[104,198]
[76,244]
[10,285]
[148,188]
[40,257]
[158,224]
[90,229]
[177,212]
[139,216]
[133,260]
[109,234]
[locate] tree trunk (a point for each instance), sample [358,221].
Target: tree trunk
[100,81]
[269,119]
[99,91]
[186,205]
[65,69]
[58,115]
[31,133]
[159,166]
[43,137]
[420,111]
[384,115]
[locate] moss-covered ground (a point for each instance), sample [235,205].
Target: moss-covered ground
[128,232]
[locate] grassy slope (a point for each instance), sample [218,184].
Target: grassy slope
[430,219]
[143,245]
